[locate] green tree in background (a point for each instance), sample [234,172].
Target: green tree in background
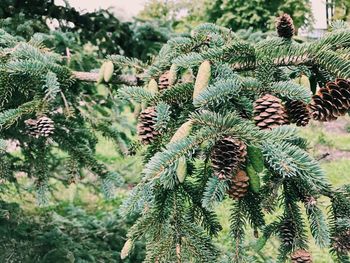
[259,14]
[238,14]
[342,9]
[101,28]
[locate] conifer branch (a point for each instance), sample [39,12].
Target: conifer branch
[130,80]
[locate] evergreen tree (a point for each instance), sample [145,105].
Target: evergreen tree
[216,119]
[219,121]
[44,111]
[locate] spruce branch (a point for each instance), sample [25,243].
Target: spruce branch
[214,192]
[288,160]
[291,90]
[318,225]
[161,161]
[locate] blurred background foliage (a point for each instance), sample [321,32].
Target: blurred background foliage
[79,225]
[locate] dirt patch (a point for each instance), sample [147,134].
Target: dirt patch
[333,154]
[340,126]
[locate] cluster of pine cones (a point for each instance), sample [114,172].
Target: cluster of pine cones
[328,104]
[147,119]
[41,127]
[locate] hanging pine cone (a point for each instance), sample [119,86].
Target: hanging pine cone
[146,126]
[287,232]
[285,26]
[298,112]
[227,154]
[332,101]
[238,185]
[301,256]
[45,126]
[341,243]
[269,112]
[164,80]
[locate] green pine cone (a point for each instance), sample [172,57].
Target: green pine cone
[153,86]
[172,75]
[126,249]
[202,79]
[256,158]
[254,178]
[181,170]
[183,131]
[108,71]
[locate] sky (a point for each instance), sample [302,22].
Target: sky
[125,8]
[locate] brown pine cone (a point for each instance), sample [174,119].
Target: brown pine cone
[146,126]
[287,232]
[164,81]
[285,26]
[301,256]
[341,243]
[45,126]
[227,154]
[298,112]
[332,101]
[269,112]
[238,185]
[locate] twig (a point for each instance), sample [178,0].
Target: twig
[323,156]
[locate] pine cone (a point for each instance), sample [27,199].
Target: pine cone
[269,112]
[298,112]
[45,126]
[301,256]
[285,27]
[341,243]
[146,126]
[32,128]
[164,80]
[228,153]
[332,101]
[287,232]
[239,185]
